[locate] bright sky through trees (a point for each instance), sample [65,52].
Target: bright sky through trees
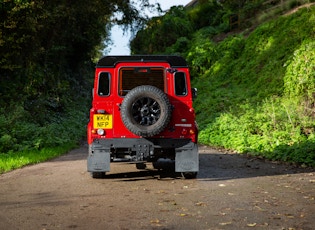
[121,41]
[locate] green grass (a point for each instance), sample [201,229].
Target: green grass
[11,161]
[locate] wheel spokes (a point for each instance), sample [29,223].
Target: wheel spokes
[146,111]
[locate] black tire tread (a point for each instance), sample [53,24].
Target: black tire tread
[154,93]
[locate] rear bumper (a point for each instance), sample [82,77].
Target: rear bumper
[184,151]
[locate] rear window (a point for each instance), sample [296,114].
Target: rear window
[103,84]
[131,77]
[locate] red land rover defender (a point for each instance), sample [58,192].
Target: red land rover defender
[142,111]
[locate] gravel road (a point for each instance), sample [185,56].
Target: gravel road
[230,192]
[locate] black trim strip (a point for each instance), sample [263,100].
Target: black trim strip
[112,61]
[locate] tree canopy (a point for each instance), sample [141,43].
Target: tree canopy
[47,52]
[44,45]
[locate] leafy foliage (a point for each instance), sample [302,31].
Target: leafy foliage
[162,32]
[46,67]
[255,90]
[262,101]
[206,13]
[299,78]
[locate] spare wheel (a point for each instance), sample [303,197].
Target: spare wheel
[146,111]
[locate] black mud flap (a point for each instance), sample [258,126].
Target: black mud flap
[98,160]
[187,158]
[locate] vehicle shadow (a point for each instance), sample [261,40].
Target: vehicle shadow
[213,166]
[218,167]
[148,174]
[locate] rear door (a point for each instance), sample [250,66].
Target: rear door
[131,75]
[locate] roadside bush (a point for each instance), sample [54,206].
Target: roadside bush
[261,129]
[19,131]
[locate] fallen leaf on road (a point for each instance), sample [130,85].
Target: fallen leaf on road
[252,225]
[156,221]
[288,215]
[259,208]
[200,204]
[225,223]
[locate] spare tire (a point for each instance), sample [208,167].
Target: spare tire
[146,111]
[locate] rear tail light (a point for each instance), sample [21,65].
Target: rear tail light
[190,131]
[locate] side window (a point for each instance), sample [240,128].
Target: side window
[103,84]
[180,84]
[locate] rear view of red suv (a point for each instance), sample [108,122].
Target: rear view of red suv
[142,112]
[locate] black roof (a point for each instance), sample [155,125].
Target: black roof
[111,61]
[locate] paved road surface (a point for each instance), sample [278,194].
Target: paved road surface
[231,192]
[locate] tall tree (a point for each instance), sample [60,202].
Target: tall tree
[46,45]
[161,32]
